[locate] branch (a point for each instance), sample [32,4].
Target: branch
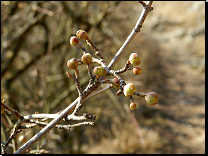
[47,128]
[67,127]
[52,124]
[12,110]
[134,32]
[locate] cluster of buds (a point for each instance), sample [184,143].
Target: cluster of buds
[134,59]
[97,72]
[86,58]
[129,89]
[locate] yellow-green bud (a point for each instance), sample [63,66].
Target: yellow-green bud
[129,89]
[151,98]
[134,59]
[99,71]
[137,70]
[133,105]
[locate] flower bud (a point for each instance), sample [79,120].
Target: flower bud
[72,63]
[116,83]
[82,34]
[99,71]
[86,58]
[133,105]
[74,41]
[151,98]
[129,89]
[137,70]
[134,59]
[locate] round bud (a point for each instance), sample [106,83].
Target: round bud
[134,59]
[137,70]
[22,138]
[133,105]
[151,98]
[116,83]
[129,89]
[74,41]
[72,63]
[99,71]
[86,58]
[82,34]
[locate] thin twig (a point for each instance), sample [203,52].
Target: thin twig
[127,67]
[141,94]
[122,82]
[12,110]
[52,116]
[78,106]
[99,61]
[100,91]
[83,123]
[79,89]
[134,32]
[97,51]
[12,136]
[142,3]
[92,78]
[67,127]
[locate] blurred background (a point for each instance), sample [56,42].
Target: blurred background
[35,49]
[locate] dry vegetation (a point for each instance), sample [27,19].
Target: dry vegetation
[35,49]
